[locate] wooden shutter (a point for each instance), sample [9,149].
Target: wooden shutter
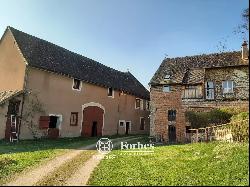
[44,122]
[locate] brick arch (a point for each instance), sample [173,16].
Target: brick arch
[92,113]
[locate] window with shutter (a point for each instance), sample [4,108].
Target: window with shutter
[44,122]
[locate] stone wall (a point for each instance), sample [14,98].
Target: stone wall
[239,75]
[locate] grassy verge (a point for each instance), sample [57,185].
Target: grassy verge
[19,157]
[192,164]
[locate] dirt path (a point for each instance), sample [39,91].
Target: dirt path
[81,177]
[32,177]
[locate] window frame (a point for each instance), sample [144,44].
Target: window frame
[209,90]
[136,99]
[124,123]
[80,85]
[76,123]
[172,117]
[113,92]
[227,88]
[169,87]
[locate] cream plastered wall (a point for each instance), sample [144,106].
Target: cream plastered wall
[12,64]
[56,94]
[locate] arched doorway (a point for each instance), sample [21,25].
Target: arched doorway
[93,119]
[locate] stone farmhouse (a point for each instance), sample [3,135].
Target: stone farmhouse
[196,83]
[49,91]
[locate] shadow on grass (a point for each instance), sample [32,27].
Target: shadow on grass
[49,144]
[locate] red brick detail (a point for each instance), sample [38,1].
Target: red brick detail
[161,102]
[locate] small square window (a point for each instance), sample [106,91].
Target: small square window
[166,88]
[121,123]
[110,92]
[74,119]
[172,115]
[76,84]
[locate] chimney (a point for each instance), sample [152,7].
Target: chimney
[244,51]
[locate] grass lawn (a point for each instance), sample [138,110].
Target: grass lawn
[17,157]
[191,164]
[60,175]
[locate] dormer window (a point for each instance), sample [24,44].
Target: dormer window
[110,92]
[76,85]
[167,77]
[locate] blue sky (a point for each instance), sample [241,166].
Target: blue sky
[129,34]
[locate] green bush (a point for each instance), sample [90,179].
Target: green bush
[218,116]
[240,127]
[204,119]
[197,119]
[240,116]
[233,110]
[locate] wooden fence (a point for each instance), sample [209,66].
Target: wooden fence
[219,132]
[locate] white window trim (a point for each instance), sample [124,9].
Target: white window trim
[144,123]
[227,88]
[59,123]
[80,87]
[124,122]
[113,93]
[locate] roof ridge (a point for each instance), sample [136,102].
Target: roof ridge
[202,55]
[65,49]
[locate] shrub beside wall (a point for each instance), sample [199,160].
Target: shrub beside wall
[237,119]
[204,119]
[240,127]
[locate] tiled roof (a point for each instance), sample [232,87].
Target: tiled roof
[50,57]
[5,95]
[189,69]
[193,76]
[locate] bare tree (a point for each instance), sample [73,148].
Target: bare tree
[243,28]
[33,108]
